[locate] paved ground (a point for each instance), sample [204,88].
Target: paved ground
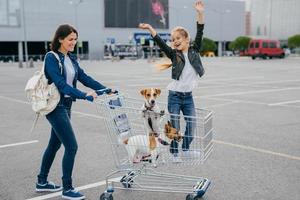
[256,107]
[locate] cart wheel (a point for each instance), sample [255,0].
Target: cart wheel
[126,185]
[193,197]
[106,196]
[127,180]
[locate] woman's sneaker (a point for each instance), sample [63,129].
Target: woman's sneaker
[47,187]
[72,194]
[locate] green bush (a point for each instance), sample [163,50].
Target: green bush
[240,43]
[208,45]
[294,41]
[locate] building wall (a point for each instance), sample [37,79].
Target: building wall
[224,21]
[278,19]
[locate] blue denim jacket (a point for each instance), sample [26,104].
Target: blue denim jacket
[53,74]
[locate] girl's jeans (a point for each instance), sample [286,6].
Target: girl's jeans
[61,133]
[182,101]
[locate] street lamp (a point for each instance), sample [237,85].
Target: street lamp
[24,34]
[76,4]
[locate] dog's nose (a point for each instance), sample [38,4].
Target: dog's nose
[152,101]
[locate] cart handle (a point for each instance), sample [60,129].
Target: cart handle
[107,91]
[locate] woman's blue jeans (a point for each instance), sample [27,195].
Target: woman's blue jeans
[61,133]
[182,101]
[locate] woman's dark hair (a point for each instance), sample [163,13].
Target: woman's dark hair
[61,33]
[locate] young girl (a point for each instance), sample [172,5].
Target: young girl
[186,71]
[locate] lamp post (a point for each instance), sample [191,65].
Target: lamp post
[76,4]
[24,33]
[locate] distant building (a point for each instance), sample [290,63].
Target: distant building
[101,21]
[276,19]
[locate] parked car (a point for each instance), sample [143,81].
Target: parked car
[264,48]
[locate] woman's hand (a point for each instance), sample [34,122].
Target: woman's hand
[93,94]
[199,6]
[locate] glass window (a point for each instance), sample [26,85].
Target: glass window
[272,45]
[9,12]
[265,45]
[256,44]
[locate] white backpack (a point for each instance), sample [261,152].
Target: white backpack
[42,96]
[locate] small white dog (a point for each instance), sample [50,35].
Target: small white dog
[140,146]
[150,110]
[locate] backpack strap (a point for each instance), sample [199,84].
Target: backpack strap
[58,59]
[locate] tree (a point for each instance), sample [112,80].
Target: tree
[294,41]
[208,45]
[240,43]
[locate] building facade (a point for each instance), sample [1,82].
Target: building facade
[35,21]
[275,19]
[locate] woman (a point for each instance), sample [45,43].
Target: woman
[63,43]
[186,71]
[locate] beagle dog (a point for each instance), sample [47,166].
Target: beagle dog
[150,110]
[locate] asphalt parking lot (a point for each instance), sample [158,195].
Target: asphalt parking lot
[256,106]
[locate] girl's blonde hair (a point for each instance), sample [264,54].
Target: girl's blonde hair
[182,31]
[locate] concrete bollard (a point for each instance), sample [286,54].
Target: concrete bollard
[20,64]
[31,63]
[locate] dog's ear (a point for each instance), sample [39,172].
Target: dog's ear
[157,91]
[167,128]
[169,123]
[143,92]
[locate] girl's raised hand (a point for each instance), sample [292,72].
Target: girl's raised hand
[144,26]
[199,6]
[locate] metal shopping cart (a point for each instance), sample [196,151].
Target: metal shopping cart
[124,120]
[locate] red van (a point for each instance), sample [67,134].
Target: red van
[265,48]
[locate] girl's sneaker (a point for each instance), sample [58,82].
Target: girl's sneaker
[47,187]
[72,194]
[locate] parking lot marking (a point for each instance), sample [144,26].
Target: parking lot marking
[283,103]
[17,144]
[252,92]
[258,150]
[56,194]
[14,100]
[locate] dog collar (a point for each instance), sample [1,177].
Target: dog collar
[163,142]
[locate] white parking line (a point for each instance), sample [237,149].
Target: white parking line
[17,144]
[258,150]
[56,194]
[252,92]
[283,103]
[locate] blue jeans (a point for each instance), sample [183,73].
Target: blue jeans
[182,101]
[61,133]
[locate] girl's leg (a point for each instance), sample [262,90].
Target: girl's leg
[174,110]
[188,110]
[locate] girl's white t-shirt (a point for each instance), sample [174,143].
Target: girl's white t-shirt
[188,79]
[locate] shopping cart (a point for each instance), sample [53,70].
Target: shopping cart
[124,119]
